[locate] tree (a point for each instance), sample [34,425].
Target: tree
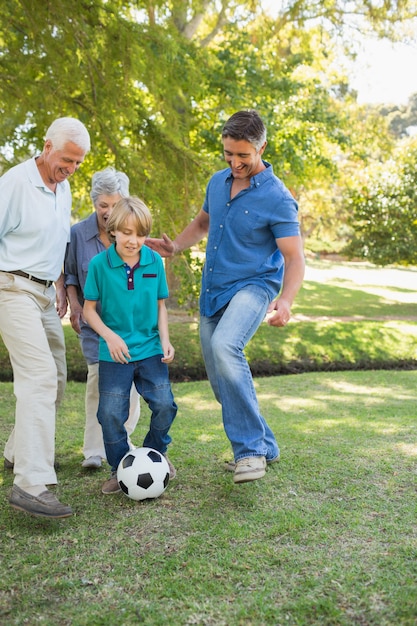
[383,208]
[154,80]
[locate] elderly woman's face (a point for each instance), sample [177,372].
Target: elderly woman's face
[104,206]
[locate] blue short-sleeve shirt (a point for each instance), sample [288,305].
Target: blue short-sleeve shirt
[241,246]
[129,299]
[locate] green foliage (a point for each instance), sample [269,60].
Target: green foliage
[155,80]
[384,211]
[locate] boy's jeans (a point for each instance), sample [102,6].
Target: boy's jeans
[223,339]
[151,380]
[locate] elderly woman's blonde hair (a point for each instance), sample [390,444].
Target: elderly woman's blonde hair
[123,209]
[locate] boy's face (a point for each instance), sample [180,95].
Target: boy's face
[128,242]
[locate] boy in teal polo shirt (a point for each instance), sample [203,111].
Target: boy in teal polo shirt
[125,296]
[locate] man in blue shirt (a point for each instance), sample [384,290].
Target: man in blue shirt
[253,234]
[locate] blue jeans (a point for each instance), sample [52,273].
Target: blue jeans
[223,339]
[151,379]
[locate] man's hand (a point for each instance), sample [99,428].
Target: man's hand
[165,246]
[61,304]
[279,312]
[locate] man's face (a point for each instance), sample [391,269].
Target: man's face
[60,164]
[242,157]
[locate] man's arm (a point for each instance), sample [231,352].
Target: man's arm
[292,251]
[194,232]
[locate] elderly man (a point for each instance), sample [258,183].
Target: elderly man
[35,208]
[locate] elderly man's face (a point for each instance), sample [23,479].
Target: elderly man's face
[60,164]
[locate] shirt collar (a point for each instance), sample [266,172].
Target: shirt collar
[91,226]
[147,256]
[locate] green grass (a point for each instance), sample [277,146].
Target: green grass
[328,537]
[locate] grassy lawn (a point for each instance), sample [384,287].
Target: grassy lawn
[327,538]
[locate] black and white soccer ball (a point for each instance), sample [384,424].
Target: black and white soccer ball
[143,473]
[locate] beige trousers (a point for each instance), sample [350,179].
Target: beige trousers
[93,436]
[32,333]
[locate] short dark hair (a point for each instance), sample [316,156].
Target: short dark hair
[246,125]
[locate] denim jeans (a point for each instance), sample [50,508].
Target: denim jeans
[151,379]
[223,339]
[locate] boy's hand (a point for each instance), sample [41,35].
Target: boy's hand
[118,349]
[169,353]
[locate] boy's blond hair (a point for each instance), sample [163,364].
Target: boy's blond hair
[123,209]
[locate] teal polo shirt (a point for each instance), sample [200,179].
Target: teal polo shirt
[129,299]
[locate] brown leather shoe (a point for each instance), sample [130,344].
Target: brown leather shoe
[45,504]
[111,486]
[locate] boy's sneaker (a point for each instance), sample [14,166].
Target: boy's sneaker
[172,470]
[249,468]
[111,486]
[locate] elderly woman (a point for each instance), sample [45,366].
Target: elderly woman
[88,238]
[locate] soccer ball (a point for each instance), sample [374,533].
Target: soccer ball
[143,473]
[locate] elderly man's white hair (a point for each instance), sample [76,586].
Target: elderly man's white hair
[68,129]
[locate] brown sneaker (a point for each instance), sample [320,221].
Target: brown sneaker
[44,505]
[111,486]
[249,468]
[172,470]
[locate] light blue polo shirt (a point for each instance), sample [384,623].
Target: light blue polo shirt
[129,299]
[241,247]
